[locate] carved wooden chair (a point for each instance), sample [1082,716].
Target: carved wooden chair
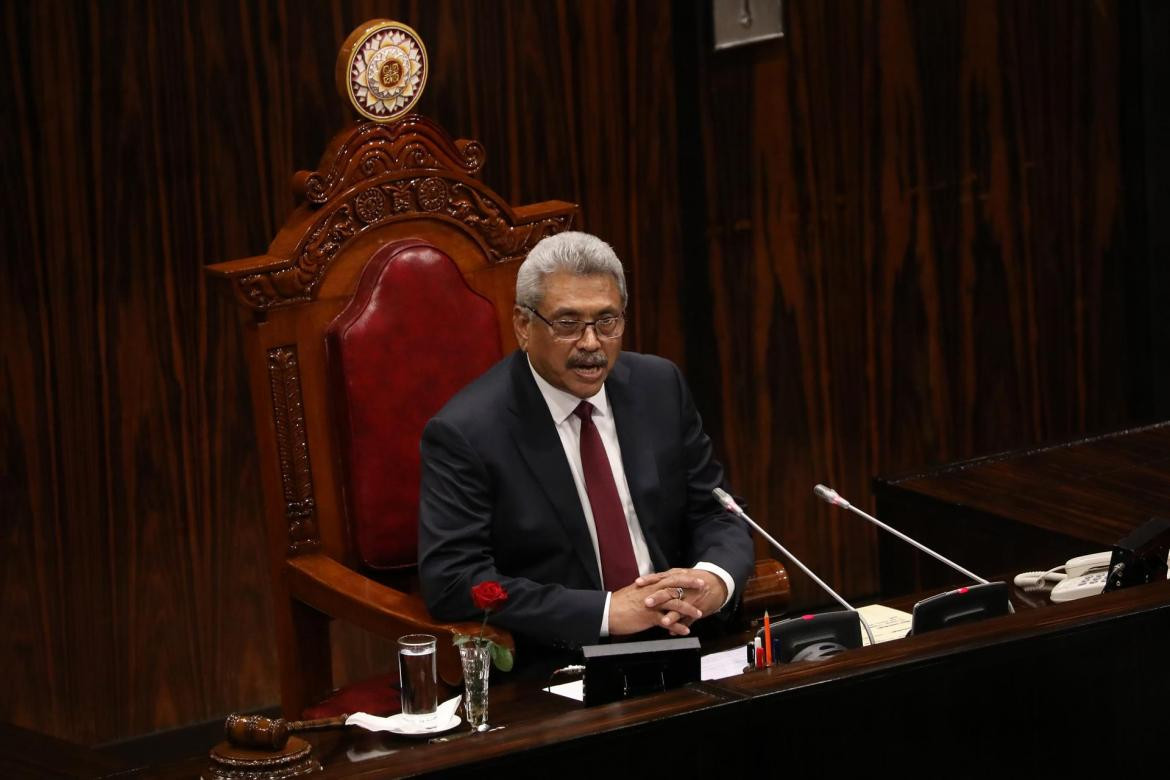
[388,288]
[386,291]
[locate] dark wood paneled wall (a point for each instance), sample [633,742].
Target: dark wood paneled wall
[143,141]
[911,248]
[892,238]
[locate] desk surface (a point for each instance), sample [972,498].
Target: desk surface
[1096,489]
[926,686]
[1025,510]
[1055,683]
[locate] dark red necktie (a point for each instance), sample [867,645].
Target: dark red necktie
[619,568]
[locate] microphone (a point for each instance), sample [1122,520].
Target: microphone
[724,498]
[987,599]
[834,498]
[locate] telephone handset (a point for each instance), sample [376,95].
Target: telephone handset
[1086,564]
[1079,577]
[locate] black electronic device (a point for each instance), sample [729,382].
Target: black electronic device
[1140,557]
[624,669]
[962,605]
[810,637]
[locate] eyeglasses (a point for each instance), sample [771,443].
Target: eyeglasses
[610,327]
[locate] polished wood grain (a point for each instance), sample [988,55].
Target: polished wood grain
[1097,489]
[912,249]
[892,238]
[925,698]
[929,696]
[142,142]
[1079,497]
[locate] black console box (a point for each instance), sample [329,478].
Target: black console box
[624,669]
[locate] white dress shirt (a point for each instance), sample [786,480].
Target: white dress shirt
[561,406]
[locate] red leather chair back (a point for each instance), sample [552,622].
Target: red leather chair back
[413,335]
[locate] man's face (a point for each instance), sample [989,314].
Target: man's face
[578,367]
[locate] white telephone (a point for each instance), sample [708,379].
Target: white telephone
[1081,576]
[1086,564]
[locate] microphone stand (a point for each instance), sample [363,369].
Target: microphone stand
[724,498]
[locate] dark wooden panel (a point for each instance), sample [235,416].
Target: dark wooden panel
[136,576]
[1053,503]
[913,237]
[891,239]
[27,754]
[143,142]
[1097,490]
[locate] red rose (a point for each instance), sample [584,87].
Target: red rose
[488,595]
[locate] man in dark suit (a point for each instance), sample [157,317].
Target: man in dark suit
[577,476]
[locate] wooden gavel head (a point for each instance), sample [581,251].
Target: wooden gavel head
[256,732]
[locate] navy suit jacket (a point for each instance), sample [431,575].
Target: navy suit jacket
[498,500]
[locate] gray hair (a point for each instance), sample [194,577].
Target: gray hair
[580,254]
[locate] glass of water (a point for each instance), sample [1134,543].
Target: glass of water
[416,675]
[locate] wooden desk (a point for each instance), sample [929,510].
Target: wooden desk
[1043,685]
[1030,509]
[1051,687]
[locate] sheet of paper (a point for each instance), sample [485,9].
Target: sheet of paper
[887,624]
[728,663]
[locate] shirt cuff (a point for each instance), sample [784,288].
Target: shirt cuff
[605,616]
[718,571]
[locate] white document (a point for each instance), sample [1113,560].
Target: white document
[887,624]
[728,663]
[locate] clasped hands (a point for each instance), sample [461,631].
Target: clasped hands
[670,599]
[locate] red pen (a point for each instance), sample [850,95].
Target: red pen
[759,654]
[767,639]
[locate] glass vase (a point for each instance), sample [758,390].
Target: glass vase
[477,663]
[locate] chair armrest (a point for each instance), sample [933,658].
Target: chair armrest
[344,594]
[768,588]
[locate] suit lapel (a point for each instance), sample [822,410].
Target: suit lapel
[637,454]
[539,444]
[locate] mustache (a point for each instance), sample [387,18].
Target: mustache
[587,360]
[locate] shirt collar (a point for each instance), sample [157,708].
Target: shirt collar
[562,404]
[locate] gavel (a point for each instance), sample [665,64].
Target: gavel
[257,732]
